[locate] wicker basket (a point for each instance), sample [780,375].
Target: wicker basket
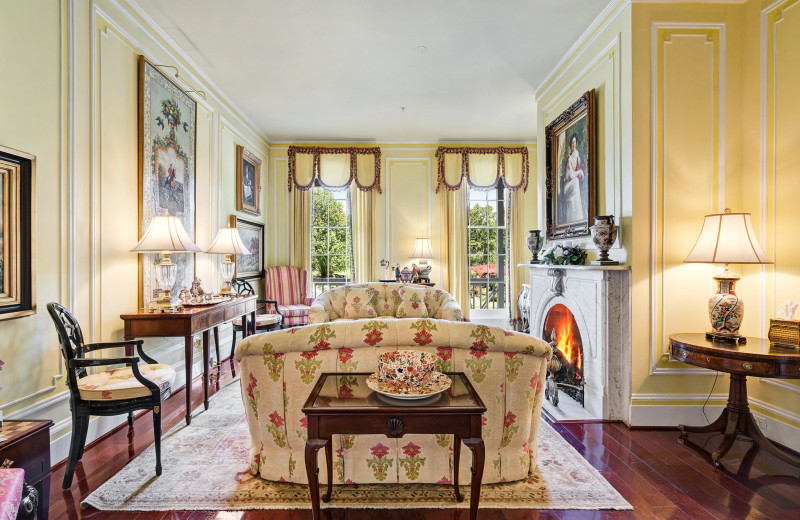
[784,332]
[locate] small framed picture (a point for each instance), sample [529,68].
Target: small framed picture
[248,181]
[570,165]
[252,234]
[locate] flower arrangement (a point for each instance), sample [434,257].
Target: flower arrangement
[563,254]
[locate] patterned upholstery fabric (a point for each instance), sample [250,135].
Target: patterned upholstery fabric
[360,302]
[287,286]
[279,370]
[120,383]
[261,319]
[11,480]
[413,304]
[330,305]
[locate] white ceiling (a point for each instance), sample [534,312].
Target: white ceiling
[341,69]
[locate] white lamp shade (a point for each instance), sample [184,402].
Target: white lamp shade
[228,242]
[727,238]
[165,235]
[422,248]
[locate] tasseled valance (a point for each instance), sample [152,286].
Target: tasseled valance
[334,167]
[483,167]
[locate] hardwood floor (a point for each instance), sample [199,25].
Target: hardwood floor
[658,476]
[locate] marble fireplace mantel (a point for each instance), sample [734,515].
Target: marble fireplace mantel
[599,299]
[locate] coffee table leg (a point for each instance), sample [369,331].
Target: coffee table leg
[329,462]
[478,458]
[456,464]
[312,472]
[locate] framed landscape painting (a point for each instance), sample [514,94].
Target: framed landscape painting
[167,123]
[252,234]
[570,165]
[17,234]
[248,181]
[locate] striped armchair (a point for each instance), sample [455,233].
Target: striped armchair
[287,285]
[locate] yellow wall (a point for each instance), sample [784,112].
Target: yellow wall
[73,102]
[407,208]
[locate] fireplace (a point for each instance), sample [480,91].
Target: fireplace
[594,343]
[565,370]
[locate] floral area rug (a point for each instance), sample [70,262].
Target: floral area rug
[206,468]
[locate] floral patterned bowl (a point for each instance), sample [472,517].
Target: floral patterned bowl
[406,368]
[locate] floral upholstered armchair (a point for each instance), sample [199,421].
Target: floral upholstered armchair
[280,368]
[288,286]
[385,300]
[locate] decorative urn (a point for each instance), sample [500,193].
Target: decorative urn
[725,309]
[534,244]
[604,233]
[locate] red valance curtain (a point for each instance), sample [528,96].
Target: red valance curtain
[334,167]
[483,167]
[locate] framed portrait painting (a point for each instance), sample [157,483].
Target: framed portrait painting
[570,165]
[248,181]
[252,234]
[167,124]
[17,234]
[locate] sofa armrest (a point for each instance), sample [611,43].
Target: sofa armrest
[317,313]
[450,310]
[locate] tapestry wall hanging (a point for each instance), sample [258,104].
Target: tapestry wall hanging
[167,123]
[17,234]
[252,234]
[248,181]
[570,166]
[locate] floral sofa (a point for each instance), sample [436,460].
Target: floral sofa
[330,305]
[280,368]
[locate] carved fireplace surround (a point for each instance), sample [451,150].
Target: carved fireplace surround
[599,299]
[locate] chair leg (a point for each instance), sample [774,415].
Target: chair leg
[157,435]
[130,418]
[75,449]
[84,430]
[233,348]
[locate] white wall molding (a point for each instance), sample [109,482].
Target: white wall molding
[658,342]
[781,384]
[388,190]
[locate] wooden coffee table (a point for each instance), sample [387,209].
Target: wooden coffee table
[458,411]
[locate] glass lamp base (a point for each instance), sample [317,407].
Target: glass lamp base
[166,304]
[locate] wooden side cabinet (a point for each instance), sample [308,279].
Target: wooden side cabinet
[27,444]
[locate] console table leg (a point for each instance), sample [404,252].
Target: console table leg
[312,472]
[754,432]
[329,463]
[219,359]
[727,441]
[717,426]
[188,355]
[478,459]
[206,356]
[456,465]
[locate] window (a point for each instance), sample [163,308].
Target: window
[487,247]
[331,239]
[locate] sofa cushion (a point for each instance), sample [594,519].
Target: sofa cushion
[412,303]
[120,383]
[261,320]
[360,302]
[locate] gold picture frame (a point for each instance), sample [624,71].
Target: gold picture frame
[248,181]
[17,233]
[252,234]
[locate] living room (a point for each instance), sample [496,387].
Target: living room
[450,125]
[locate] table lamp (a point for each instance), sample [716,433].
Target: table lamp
[228,242]
[727,238]
[165,235]
[422,251]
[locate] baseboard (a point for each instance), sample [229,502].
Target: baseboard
[672,415]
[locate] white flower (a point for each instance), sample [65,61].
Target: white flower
[559,251]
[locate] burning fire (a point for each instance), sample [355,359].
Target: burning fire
[564,337]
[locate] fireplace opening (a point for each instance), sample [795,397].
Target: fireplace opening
[565,369]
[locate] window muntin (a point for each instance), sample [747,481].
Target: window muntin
[331,239]
[487,247]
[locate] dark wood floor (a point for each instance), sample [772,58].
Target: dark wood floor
[658,476]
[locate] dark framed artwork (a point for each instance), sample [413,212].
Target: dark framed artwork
[17,234]
[571,169]
[167,178]
[252,234]
[248,181]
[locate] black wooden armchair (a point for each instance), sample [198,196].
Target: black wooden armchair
[264,321]
[108,392]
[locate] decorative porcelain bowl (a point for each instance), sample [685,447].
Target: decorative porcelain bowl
[406,368]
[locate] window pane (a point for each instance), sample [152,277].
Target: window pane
[331,236]
[487,248]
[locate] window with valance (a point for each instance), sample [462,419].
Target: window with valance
[483,167]
[334,167]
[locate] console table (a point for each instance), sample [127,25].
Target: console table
[755,358]
[186,323]
[457,411]
[27,444]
